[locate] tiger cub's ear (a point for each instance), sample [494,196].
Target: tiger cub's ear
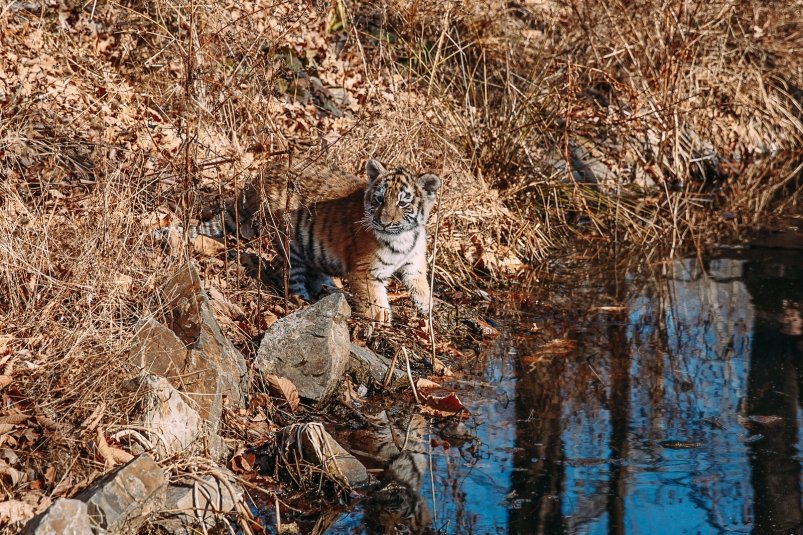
[373,168]
[429,183]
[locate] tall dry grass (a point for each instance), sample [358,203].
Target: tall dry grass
[634,123]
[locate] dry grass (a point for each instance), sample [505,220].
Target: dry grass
[113,114]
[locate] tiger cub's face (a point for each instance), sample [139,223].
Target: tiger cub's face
[397,201]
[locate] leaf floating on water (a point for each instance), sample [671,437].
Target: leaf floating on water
[283,388]
[443,406]
[679,444]
[764,420]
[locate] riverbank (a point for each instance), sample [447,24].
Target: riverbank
[661,127]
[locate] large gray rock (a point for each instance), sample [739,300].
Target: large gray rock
[310,347]
[122,500]
[64,517]
[168,420]
[192,505]
[368,367]
[190,350]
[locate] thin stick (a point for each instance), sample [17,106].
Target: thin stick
[278,515]
[432,485]
[432,280]
[391,368]
[410,376]
[286,237]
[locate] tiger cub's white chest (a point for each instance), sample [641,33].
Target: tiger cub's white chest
[397,250]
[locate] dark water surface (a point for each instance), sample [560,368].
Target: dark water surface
[662,405]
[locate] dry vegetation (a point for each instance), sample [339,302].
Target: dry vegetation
[674,117]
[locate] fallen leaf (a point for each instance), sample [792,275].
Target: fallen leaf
[156,220]
[122,281]
[423,384]
[440,368]
[206,246]
[283,388]
[222,306]
[104,449]
[443,406]
[14,419]
[11,473]
[5,344]
[15,511]
[242,462]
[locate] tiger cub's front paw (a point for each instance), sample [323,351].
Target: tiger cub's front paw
[379,314]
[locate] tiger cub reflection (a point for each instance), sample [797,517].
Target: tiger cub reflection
[397,506]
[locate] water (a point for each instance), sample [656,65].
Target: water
[672,405]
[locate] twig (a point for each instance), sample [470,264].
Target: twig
[410,376]
[286,237]
[391,368]
[432,281]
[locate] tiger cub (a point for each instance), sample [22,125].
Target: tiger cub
[346,227]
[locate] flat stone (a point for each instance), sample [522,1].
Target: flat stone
[122,500]
[310,347]
[190,505]
[63,517]
[368,367]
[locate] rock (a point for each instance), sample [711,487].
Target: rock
[64,517]
[188,506]
[368,367]
[157,350]
[320,449]
[170,423]
[310,347]
[122,500]
[191,351]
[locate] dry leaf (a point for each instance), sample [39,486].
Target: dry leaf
[5,344]
[423,384]
[14,419]
[104,449]
[120,456]
[15,511]
[283,388]
[122,281]
[440,368]
[206,246]
[222,306]
[155,221]
[447,403]
[242,462]
[443,406]
[13,475]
